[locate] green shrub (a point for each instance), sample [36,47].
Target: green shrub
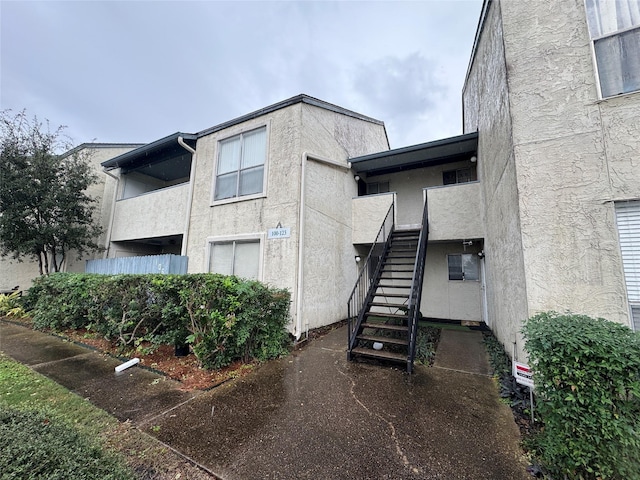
[35,444]
[224,318]
[587,376]
[10,305]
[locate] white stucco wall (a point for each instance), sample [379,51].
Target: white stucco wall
[367,214]
[449,299]
[553,158]
[486,110]
[455,212]
[154,214]
[569,149]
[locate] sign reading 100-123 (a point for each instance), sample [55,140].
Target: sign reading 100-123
[281,232]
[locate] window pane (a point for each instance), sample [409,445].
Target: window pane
[251,181]
[254,148]
[247,261]
[455,267]
[372,188]
[226,186]
[618,59]
[221,258]
[229,155]
[470,267]
[464,175]
[449,177]
[609,16]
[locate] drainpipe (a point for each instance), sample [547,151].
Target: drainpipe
[113,212]
[300,282]
[192,177]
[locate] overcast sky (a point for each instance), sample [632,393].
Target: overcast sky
[137,71]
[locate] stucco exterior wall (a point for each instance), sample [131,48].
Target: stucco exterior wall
[449,299]
[367,214]
[454,212]
[154,214]
[330,270]
[574,155]
[486,105]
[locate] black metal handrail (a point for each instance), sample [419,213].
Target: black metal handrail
[416,288]
[362,291]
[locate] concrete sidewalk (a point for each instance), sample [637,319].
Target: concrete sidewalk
[310,415]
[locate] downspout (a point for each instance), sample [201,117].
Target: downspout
[300,283]
[113,212]
[192,177]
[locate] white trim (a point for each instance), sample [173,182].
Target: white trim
[232,132]
[260,236]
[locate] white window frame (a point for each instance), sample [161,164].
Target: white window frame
[473,255]
[597,37]
[233,132]
[260,237]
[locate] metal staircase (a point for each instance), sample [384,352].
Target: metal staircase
[384,323]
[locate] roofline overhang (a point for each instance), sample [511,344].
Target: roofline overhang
[428,154]
[139,155]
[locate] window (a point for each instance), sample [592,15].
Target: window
[241,164]
[377,187]
[614,27]
[463,266]
[451,177]
[238,257]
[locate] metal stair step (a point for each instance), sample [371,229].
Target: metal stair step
[385,326]
[375,338]
[395,295]
[385,304]
[380,354]
[386,285]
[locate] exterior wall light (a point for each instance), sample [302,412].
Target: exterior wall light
[356,178]
[474,159]
[357,257]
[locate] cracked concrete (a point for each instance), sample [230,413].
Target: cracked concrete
[309,415]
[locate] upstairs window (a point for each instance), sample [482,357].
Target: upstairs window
[377,187]
[451,177]
[240,168]
[614,27]
[463,266]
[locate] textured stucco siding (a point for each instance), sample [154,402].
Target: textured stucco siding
[154,214]
[455,212]
[444,298]
[329,268]
[567,144]
[486,110]
[367,214]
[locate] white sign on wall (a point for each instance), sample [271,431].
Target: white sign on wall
[523,374]
[281,232]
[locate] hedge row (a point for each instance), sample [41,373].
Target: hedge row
[224,318]
[587,376]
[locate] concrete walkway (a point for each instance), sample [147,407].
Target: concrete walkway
[310,415]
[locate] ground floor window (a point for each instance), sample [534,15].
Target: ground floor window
[463,266]
[628,219]
[235,257]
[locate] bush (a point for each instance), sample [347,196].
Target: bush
[38,445]
[10,305]
[224,318]
[587,376]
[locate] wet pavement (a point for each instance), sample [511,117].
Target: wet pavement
[311,414]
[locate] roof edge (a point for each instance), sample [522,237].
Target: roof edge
[146,149]
[302,98]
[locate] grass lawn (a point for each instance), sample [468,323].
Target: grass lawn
[49,432]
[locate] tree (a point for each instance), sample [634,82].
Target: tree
[45,212]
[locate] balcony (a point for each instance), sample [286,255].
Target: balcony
[155,214]
[367,215]
[454,212]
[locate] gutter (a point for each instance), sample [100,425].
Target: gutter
[192,174]
[301,222]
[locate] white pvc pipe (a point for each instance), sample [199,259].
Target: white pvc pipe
[125,365]
[192,181]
